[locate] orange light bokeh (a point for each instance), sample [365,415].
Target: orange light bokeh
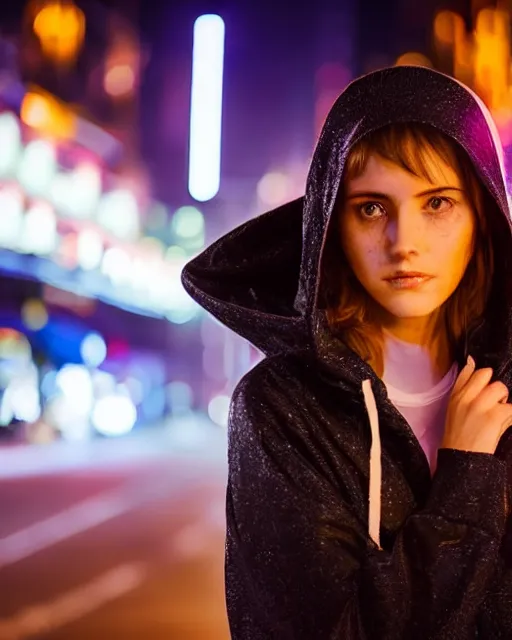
[119,80]
[44,113]
[60,27]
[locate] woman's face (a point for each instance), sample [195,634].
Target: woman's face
[395,224]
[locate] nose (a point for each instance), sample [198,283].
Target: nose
[403,233]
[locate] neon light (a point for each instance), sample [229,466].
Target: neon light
[206,107]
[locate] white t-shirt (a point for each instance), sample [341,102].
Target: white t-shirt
[416,392]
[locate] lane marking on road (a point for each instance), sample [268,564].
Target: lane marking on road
[196,538]
[62,525]
[90,513]
[189,541]
[75,604]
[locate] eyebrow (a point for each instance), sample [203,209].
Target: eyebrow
[383,196]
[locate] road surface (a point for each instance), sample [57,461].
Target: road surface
[115,539]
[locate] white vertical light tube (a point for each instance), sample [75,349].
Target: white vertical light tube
[206,107]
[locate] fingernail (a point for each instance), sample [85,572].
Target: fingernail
[471,362]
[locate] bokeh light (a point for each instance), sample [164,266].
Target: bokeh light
[414,58]
[188,222]
[119,80]
[10,143]
[11,221]
[93,349]
[218,410]
[273,188]
[60,27]
[34,314]
[444,26]
[114,415]
[117,266]
[37,167]
[118,212]
[89,249]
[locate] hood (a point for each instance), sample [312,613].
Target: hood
[261,279]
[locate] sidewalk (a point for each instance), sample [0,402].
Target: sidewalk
[194,437]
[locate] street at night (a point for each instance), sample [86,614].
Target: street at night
[286,225]
[115,540]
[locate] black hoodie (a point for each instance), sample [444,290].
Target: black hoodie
[302,562]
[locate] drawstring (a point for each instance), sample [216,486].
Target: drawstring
[375,465]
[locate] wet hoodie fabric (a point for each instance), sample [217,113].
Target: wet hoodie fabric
[335,528]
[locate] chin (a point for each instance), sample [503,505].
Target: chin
[411,308]
[408,314]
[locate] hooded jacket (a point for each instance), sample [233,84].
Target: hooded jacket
[336,529]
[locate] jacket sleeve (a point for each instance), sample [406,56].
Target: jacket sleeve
[300,564]
[495,618]
[495,615]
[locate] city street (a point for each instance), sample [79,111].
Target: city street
[114,539]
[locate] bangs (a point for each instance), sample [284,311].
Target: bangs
[413,147]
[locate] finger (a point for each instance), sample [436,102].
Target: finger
[505,412]
[476,384]
[495,393]
[464,375]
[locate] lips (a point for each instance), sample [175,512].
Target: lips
[408,280]
[408,274]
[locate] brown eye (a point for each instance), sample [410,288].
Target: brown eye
[371,210]
[439,205]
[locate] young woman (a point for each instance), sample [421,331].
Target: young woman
[369,458]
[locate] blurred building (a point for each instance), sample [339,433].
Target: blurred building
[90,262]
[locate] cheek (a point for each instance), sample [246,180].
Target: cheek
[361,248]
[454,249]
[363,256]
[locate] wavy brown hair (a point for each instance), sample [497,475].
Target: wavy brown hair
[348,306]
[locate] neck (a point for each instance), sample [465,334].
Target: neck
[428,333]
[420,331]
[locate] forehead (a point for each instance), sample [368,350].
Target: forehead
[379,170]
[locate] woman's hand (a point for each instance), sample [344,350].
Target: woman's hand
[478,412]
